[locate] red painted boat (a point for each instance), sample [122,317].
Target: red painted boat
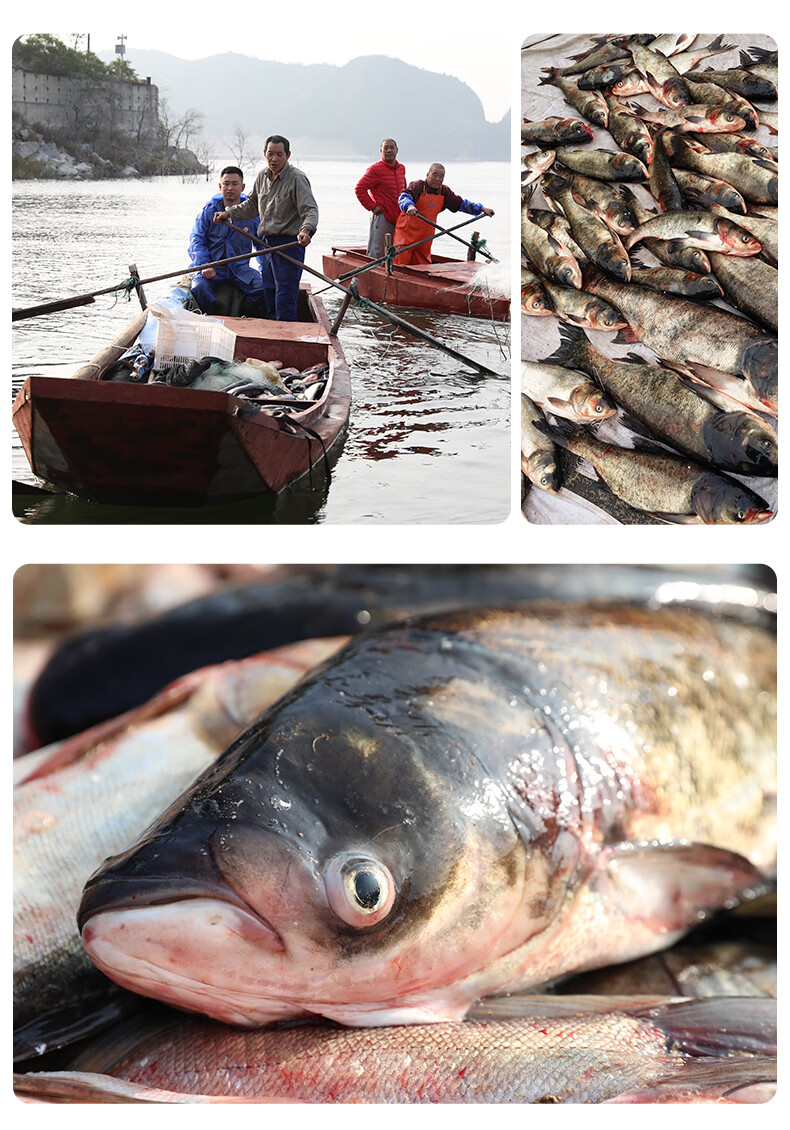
[449,286]
[153,443]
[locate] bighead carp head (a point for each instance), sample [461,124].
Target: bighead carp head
[351,855]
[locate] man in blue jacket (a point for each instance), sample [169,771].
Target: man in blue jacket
[210,242]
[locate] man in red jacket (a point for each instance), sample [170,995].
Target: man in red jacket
[378,191]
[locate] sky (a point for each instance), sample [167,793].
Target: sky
[479,51]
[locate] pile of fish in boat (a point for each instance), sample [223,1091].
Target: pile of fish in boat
[649,219]
[386,829]
[251,379]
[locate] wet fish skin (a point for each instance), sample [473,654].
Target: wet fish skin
[734,143]
[766,231]
[753,289]
[687,59]
[673,281]
[666,84]
[671,252]
[579,308]
[534,300]
[547,255]
[663,185]
[746,83]
[603,77]
[716,96]
[738,442]
[397,763]
[572,1058]
[756,180]
[693,118]
[606,200]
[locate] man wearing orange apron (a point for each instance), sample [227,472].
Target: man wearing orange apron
[427,197]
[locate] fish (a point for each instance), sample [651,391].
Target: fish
[756,180]
[92,796]
[734,441]
[555,131]
[707,230]
[534,299]
[685,60]
[589,103]
[630,84]
[665,82]
[545,253]
[558,226]
[600,78]
[377,851]
[671,280]
[629,131]
[671,252]
[600,55]
[706,192]
[535,164]
[741,81]
[538,454]
[572,1058]
[598,242]
[694,118]
[663,185]
[564,393]
[754,289]
[766,231]
[580,308]
[761,62]
[668,486]
[670,44]
[695,337]
[735,143]
[607,203]
[602,164]
[710,94]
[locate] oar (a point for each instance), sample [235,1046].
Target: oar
[449,231]
[86,299]
[400,322]
[383,258]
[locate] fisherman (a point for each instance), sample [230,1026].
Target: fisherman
[284,200]
[208,243]
[378,191]
[427,198]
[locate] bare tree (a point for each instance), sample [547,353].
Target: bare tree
[238,146]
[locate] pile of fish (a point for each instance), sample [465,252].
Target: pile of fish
[448,807]
[649,219]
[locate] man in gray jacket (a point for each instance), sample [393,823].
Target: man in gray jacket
[283,199]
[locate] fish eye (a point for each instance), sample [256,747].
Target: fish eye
[360,890]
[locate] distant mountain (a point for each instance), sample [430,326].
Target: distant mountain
[330,110]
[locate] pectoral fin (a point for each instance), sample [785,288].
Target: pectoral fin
[669,886]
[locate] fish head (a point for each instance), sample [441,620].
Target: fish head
[640,145]
[348,856]
[675,94]
[725,120]
[564,270]
[760,365]
[721,501]
[534,301]
[602,316]
[614,260]
[737,240]
[541,469]
[630,84]
[742,440]
[591,403]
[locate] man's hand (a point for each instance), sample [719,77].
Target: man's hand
[377,211]
[303,238]
[220,216]
[208,273]
[487,211]
[411,210]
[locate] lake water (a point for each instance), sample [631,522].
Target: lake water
[428,438]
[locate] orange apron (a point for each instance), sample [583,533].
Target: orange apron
[409,229]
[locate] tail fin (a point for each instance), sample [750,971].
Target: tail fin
[550,76]
[716,1026]
[762,55]
[572,340]
[561,431]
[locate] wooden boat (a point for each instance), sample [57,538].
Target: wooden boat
[449,286]
[153,443]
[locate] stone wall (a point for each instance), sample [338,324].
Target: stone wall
[63,101]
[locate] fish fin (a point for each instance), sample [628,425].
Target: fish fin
[626,337]
[695,118]
[715,1026]
[763,164]
[635,358]
[556,246]
[703,236]
[728,1080]
[639,429]
[571,338]
[560,430]
[557,403]
[550,77]
[671,886]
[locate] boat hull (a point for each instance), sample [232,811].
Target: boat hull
[156,444]
[448,286]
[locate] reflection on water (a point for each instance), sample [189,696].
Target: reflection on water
[428,437]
